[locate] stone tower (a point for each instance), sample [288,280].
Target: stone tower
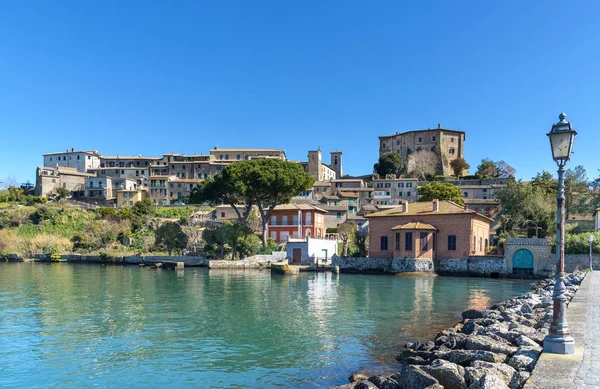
[336,163]
[314,164]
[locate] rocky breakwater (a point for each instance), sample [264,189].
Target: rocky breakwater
[492,349]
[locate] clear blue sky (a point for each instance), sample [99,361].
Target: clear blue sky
[131,77]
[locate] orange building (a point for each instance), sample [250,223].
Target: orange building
[433,230]
[296,221]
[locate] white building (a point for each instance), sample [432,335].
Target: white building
[81,160]
[597,219]
[310,250]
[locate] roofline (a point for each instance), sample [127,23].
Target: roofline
[431,129]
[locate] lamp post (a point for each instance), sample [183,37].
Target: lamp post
[559,339]
[591,240]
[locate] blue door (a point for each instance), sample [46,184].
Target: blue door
[523,262]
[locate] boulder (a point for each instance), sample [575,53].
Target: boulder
[519,379]
[525,358]
[347,386]
[383,382]
[357,377]
[490,381]
[413,377]
[364,384]
[466,357]
[527,342]
[416,361]
[528,331]
[479,369]
[448,374]
[470,326]
[479,342]
[472,314]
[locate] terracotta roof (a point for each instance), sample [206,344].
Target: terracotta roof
[481,201]
[322,183]
[415,225]
[348,194]
[192,180]
[426,208]
[300,207]
[334,208]
[128,157]
[331,197]
[246,150]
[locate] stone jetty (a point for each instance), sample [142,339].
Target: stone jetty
[492,349]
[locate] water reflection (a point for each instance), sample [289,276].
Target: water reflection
[84,326]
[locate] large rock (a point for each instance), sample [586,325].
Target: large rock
[527,331]
[448,374]
[479,342]
[357,377]
[413,377]
[365,385]
[527,342]
[479,369]
[472,314]
[383,382]
[490,381]
[525,358]
[466,357]
[470,326]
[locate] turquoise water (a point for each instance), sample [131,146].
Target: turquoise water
[90,326]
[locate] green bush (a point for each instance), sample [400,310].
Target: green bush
[331,230]
[579,244]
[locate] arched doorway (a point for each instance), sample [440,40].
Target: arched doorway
[522,262]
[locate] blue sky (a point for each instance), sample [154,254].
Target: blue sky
[149,77]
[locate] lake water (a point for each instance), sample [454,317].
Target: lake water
[91,326]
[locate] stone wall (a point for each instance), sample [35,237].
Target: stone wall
[581,262]
[254,262]
[382,265]
[484,265]
[189,261]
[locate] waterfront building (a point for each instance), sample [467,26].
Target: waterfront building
[308,251]
[296,221]
[433,230]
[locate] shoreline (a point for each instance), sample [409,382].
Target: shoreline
[493,348]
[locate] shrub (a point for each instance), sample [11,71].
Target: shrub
[579,244]
[248,245]
[10,243]
[46,243]
[42,213]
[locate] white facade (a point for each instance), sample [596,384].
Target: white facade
[80,160]
[310,250]
[597,220]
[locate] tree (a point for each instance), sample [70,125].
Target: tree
[390,163]
[504,170]
[576,190]
[170,236]
[545,182]
[9,182]
[487,169]
[459,165]
[62,193]
[218,235]
[440,191]
[524,204]
[263,182]
[347,232]
[423,164]
[144,208]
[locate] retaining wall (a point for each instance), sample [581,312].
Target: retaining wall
[254,262]
[382,265]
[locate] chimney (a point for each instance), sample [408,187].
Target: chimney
[466,208]
[439,126]
[436,205]
[72,149]
[404,206]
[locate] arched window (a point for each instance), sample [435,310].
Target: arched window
[308,219]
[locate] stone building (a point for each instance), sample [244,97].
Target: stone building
[49,179]
[448,144]
[321,171]
[432,230]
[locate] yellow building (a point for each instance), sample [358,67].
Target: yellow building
[126,198]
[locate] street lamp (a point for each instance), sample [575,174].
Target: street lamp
[559,339]
[591,240]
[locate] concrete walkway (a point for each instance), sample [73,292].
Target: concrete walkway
[581,370]
[588,374]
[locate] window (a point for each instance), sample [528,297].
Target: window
[484,190]
[466,194]
[397,241]
[384,243]
[423,239]
[274,220]
[480,244]
[89,157]
[238,156]
[400,185]
[451,151]
[130,202]
[379,185]
[420,140]
[78,157]
[409,184]
[433,138]
[339,215]
[451,242]
[179,185]
[284,220]
[474,243]
[451,140]
[383,145]
[408,242]
[387,185]
[408,194]
[222,214]
[399,193]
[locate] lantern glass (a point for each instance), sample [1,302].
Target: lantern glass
[561,143]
